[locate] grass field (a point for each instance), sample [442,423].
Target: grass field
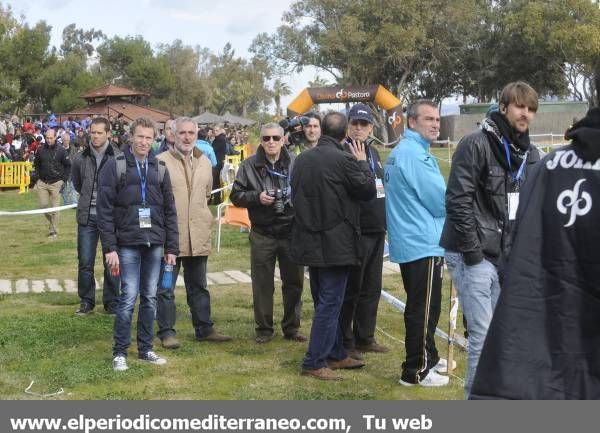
[41,339]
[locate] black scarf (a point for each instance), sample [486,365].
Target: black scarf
[518,143]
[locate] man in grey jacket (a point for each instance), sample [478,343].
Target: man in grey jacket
[85,170]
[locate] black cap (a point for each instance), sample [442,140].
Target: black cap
[360,112]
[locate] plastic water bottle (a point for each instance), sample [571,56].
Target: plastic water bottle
[167,277]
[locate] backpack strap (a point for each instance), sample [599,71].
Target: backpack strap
[121,168]
[162,167]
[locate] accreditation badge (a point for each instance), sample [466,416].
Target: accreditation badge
[144,217]
[513,205]
[379,187]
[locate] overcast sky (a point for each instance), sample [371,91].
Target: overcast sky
[209,24]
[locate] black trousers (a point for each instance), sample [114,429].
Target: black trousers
[198,298]
[361,300]
[423,284]
[264,250]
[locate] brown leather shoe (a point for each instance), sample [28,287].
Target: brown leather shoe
[262,339]
[373,347]
[170,342]
[323,373]
[296,337]
[355,354]
[346,363]
[215,337]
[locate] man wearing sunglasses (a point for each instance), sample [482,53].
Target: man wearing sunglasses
[262,185]
[361,301]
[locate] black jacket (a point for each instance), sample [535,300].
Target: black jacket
[544,338]
[52,163]
[85,178]
[255,175]
[477,222]
[118,205]
[372,212]
[327,184]
[219,145]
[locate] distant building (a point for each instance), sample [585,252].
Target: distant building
[111,100]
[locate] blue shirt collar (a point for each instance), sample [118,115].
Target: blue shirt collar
[415,136]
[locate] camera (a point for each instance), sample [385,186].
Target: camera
[295,127]
[280,199]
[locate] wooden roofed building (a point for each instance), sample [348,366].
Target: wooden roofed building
[116,101]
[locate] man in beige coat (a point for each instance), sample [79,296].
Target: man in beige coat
[191,179]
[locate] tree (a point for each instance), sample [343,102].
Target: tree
[279,89]
[80,42]
[237,85]
[567,34]
[188,67]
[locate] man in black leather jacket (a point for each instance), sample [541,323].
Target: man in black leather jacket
[488,170]
[262,185]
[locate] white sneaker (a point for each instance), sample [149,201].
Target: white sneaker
[442,366]
[432,379]
[152,358]
[119,363]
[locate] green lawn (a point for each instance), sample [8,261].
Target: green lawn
[42,340]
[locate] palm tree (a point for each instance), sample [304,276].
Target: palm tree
[280,89]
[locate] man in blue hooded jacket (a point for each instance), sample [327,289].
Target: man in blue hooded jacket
[415,211]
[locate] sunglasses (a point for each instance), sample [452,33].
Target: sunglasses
[362,123]
[267,138]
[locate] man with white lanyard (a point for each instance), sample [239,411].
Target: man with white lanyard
[487,173]
[137,219]
[361,300]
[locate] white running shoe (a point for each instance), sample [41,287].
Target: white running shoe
[119,363]
[152,358]
[432,379]
[442,366]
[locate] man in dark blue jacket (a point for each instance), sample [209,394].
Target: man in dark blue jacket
[327,184]
[137,218]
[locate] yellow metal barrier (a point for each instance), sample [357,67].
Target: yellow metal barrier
[15,175]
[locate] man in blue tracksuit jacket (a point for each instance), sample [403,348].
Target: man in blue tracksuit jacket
[415,211]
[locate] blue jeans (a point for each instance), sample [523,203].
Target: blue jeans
[87,242]
[478,289]
[327,286]
[140,267]
[65,195]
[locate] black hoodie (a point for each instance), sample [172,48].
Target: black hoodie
[544,339]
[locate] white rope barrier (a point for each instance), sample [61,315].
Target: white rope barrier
[399,305]
[39,211]
[71,206]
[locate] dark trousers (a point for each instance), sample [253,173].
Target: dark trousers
[264,250]
[423,284]
[198,298]
[359,311]
[327,286]
[217,196]
[87,243]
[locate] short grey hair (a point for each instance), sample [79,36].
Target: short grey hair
[183,119]
[272,125]
[413,109]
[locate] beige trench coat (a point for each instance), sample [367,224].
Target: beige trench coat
[191,188]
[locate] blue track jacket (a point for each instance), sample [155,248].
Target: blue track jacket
[414,200]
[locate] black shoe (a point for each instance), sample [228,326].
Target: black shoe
[84,309]
[111,308]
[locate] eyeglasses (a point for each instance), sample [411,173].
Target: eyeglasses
[267,138]
[360,122]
